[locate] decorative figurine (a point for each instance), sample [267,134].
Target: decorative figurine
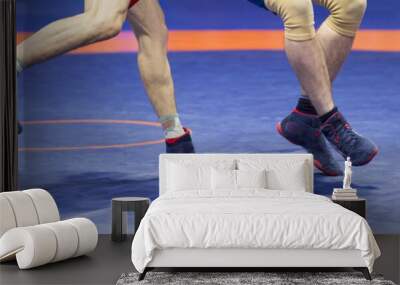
[347,174]
[345,193]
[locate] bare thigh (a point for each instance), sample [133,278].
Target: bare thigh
[103,9]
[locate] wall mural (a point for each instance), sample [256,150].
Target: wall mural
[90,133]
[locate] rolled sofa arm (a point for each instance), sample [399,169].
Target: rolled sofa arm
[41,244]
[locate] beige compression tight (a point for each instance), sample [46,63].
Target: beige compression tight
[298,16]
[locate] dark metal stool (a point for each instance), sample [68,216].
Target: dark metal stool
[120,207]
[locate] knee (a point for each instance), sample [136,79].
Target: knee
[346,16]
[354,9]
[109,28]
[105,27]
[160,35]
[297,17]
[154,40]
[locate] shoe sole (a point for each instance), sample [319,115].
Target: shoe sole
[317,163]
[369,159]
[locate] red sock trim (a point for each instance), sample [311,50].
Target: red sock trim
[295,110]
[174,140]
[133,2]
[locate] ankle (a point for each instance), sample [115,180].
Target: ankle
[172,126]
[327,115]
[305,106]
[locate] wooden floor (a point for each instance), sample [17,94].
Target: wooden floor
[110,260]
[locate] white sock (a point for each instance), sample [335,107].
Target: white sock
[19,67]
[172,126]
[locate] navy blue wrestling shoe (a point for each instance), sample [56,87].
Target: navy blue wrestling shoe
[182,144]
[19,129]
[348,143]
[304,130]
[259,3]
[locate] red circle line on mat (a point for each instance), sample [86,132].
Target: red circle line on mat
[90,147]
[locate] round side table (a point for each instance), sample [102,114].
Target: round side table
[120,206]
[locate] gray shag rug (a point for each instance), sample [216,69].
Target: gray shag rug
[243,278]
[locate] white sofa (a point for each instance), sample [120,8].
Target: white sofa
[31,231]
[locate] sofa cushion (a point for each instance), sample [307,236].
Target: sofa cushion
[45,205]
[23,208]
[7,220]
[41,244]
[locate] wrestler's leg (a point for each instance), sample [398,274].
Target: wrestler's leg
[304,52]
[336,37]
[102,19]
[337,33]
[148,23]
[302,126]
[308,60]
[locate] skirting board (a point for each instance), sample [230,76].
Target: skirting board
[177,257]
